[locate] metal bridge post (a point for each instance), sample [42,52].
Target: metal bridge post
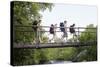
[37,38]
[78,34]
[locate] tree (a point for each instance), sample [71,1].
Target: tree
[90,53]
[24,13]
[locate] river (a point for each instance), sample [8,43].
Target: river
[58,62]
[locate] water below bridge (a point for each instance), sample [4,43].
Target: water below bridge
[58,62]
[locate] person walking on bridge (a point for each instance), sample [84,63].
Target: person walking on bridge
[53,32]
[72,31]
[36,30]
[63,28]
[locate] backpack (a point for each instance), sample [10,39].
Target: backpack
[35,25]
[62,25]
[51,30]
[72,30]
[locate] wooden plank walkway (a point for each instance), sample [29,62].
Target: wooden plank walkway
[51,45]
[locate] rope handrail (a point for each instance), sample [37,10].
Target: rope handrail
[49,45]
[48,31]
[49,26]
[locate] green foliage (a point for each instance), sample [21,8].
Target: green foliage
[24,13]
[89,35]
[91,51]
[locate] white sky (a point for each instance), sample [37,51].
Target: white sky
[81,15]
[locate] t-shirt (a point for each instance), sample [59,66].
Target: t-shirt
[65,25]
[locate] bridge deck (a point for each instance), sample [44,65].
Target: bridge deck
[52,45]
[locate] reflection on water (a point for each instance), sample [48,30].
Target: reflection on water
[58,62]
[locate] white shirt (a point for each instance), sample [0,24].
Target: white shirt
[65,25]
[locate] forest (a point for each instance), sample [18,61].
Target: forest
[24,13]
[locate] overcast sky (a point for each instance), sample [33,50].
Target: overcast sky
[81,15]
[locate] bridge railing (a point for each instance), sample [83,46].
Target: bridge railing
[47,27]
[25,30]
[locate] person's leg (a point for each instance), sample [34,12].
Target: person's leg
[77,37]
[66,36]
[63,31]
[62,35]
[35,37]
[75,34]
[62,38]
[51,38]
[54,36]
[39,35]
[73,37]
